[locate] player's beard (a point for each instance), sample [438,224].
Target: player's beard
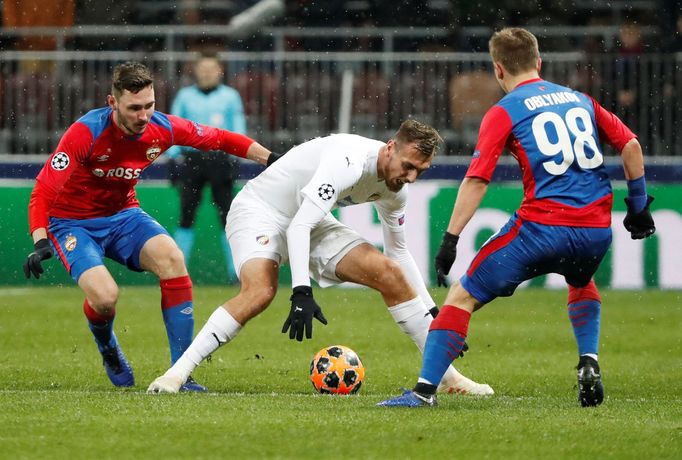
[131,128]
[395,185]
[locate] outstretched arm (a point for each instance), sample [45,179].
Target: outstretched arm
[469,198]
[633,160]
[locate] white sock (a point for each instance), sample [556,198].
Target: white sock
[592,355]
[220,328]
[414,319]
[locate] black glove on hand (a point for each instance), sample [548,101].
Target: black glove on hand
[273,157]
[303,310]
[434,312]
[41,251]
[640,224]
[447,253]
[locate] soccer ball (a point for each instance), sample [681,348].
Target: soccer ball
[337,370]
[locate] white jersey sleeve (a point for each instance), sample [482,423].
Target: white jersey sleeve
[335,174]
[392,214]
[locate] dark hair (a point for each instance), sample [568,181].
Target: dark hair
[426,138]
[131,76]
[515,48]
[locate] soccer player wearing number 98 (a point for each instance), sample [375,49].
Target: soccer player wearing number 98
[564,223]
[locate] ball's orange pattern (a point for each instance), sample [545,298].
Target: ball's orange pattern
[337,370]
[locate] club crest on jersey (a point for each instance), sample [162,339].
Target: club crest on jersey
[401,220]
[70,243]
[60,161]
[374,197]
[153,152]
[98,172]
[262,240]
[325,191]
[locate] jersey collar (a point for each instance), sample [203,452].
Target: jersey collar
[526,82]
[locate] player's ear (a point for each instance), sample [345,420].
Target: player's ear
[111,101]
[539,64]
[499,70]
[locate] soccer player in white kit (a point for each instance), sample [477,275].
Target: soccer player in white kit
[285,214]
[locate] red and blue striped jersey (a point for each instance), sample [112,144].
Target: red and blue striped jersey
[94,169]
[554,133]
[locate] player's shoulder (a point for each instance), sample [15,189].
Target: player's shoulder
[161,120]
[96,121]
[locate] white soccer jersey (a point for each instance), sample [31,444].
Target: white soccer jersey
[319,175]
[336,170]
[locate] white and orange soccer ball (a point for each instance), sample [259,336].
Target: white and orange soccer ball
[337,370]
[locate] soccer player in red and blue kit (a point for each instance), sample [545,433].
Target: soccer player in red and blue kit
[84,208]
[563,224]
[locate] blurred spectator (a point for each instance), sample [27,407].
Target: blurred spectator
[212,103]
[471,95]
[37,13]
[104,12]
[629,48]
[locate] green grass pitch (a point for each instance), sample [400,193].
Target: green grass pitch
[56,402]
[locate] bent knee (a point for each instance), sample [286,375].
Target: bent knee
[104,299]
[390,275]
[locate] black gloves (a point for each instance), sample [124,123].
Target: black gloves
[640,224]
[41,251]
[303,310]
[447,253]
[273,157]
[176,168]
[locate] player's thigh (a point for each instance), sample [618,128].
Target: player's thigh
[161,256]
[99,287]
[330,242]
[133,229]
[366,265]
[589,247]
[509,258]
[254,232]
[78,247]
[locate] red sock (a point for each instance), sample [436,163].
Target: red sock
[453,319]
[97,318]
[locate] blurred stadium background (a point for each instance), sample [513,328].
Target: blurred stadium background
[307,68]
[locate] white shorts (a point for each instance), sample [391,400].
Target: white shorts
[256,230]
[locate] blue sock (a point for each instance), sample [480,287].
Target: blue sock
[179,323]
[637,196]
[184,237]
[101,326]
[584,315]
[231,273]
[177,309]
[442,347]
[104,335]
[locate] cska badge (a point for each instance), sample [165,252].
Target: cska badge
[153,152]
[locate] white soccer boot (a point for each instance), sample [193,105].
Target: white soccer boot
[454,382]
[165,384]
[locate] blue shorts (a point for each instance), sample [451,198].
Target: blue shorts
[83,243]
[522,250]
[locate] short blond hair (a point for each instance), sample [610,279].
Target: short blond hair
[426,138]
[516,49]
